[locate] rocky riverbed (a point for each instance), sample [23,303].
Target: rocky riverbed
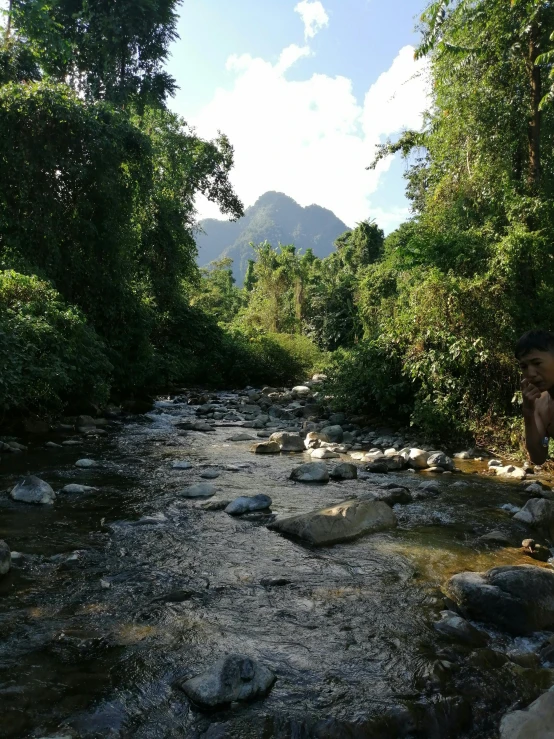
[173,578]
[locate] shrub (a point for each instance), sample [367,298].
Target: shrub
[49,356]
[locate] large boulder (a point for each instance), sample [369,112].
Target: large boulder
[538,512]
[534,722]
[418,459]
[334,433]
[288,442]
[33,490]
[342,522]
[247,504]
[519,599]
[310,472]
[233,678]
[5,558]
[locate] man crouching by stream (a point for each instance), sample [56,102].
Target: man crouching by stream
[535,353]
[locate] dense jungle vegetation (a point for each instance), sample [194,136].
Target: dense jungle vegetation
[99,290]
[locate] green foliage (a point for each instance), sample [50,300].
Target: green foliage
[217,294]
[49,356]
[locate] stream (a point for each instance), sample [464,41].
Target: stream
[118,594]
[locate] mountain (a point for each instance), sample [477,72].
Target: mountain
[276,218]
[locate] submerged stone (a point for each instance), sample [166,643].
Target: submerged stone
[199,490]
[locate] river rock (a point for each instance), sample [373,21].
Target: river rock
[266,447]
[342,522]
[426,490]
[538,512]
[288,442]
[215,505]
[5,558]
[495,538]
[393,496]
[199,490]
[182,465]
[301,390]
[247,504]
[417,459]
[310,472]
[73,488]
[71,442]
[333,433]
[454,626]
[440,459]
[314,438]
[210,474]
[33,490]
[233,678]
[241,437]
[53,445]
[336,418]
[534,722]
[462,455]
[517,473]
[535,550]
[519,599]
[86,463]
[324,453]
[344,471]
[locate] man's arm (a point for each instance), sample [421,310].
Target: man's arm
[535,428]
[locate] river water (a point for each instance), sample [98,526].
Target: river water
[121,593]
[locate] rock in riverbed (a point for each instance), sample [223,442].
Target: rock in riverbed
[538,512]
[324,453]
[344,471]
[288,442]
[181,465]
[266,447]
[86,463]
[310,472]
[234,678]
[73,488]
[534,722]
[199,490]
[247,504]
[455,627]
[33,490]
[519,599]
[5,558]
[342,522]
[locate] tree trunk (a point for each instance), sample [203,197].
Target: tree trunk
[536,115]
[9,26]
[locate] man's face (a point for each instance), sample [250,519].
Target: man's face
[538,368]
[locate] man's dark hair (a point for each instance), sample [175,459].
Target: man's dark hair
[537,340]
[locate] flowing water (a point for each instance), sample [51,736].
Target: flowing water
[121,593]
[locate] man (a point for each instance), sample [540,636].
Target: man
[535,353]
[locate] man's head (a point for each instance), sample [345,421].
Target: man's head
[535,354]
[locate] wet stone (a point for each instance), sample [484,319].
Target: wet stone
[323,453]
[233,678]
[266,447]
[199,490]
[310,472]
[210,474]
[5,558]
[344,471]
[74,488]
[455,627]
[33,490]
[86,463]
[241,437]
[182,465]
[215,505]
[534,722]
[495,538]
[247,504]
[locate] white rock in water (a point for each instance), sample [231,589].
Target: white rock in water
[323,453]
[534,722]
[417,459]
[33,490]
[462,455]
[86,463]
[301,390]
[72,488]
[182,465]
[494,463]
[510,471]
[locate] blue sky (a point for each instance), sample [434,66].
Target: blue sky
[304,90]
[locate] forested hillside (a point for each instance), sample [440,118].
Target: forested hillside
[100,292]
[274,217]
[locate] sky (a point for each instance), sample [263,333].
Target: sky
[304,89]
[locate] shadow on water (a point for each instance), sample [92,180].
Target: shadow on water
[119,593]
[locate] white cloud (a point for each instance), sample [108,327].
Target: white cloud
[313,15]
[312,139]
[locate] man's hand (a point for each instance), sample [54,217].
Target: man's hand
[530,394]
